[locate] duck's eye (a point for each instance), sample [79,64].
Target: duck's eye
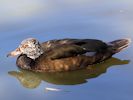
[34,41]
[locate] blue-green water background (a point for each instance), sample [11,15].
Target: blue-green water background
[55,19]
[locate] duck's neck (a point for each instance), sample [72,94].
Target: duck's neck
[25,62]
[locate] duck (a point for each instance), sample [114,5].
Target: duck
[67,54]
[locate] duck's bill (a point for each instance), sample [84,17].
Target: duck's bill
[14,53]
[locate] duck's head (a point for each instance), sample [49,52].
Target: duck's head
[30,47]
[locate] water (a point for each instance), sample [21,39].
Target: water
[54,19]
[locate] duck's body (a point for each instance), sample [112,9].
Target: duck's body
[68,54]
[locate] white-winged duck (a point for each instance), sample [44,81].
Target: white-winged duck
[64,54]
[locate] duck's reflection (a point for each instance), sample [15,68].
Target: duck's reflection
[31,79]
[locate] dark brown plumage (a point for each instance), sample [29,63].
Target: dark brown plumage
[65,54]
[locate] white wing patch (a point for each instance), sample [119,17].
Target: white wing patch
[90,53]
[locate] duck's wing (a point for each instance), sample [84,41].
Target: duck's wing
[56,49]
[92,45]
[65,51]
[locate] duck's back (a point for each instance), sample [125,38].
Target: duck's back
[88,44]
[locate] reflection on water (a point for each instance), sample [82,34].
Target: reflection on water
[32,80]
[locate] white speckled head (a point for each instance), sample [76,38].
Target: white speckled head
[31,47]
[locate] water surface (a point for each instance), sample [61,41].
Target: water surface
[55,19]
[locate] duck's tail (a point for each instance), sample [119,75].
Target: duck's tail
[118,45]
